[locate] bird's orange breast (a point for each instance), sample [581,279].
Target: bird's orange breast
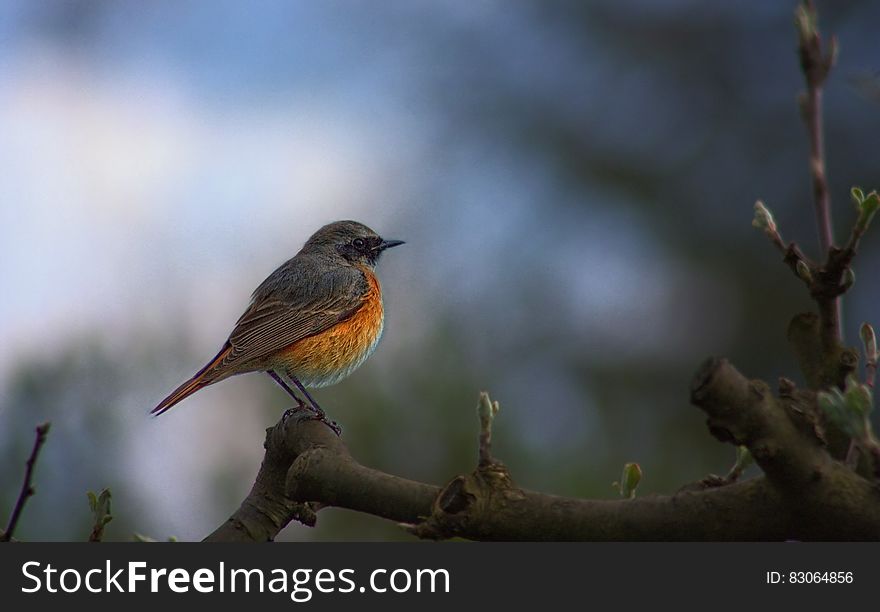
[328,357]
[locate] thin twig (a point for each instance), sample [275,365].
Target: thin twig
[791,254]
[486,409]
[816,66]
[822,201]
[870,373]
[26,488]
[816,63]
[869,344]
[858,230]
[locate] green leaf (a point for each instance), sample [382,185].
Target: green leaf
[833,407]
[858,196]
[100,507]
[859,400]
[848,410]
[870,204]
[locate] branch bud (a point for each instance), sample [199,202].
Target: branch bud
[803,271]
[849,278]
[831,56]
[858,197]
[629,480]
[805,22]
[487,409]
[100,507]
[869,342]
[763,218]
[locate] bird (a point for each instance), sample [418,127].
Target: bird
[311,323]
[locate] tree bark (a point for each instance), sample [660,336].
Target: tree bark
[805,494]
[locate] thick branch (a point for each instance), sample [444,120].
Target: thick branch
[786,438]
[267,510]
[329,475]
[745,412]
[486,505]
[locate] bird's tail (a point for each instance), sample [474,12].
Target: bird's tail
[204,377]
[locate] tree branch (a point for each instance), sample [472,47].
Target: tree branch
[815,338]
[267,510]
[869,343]
[815,65]
[27,488]
[786,436]
[486,504]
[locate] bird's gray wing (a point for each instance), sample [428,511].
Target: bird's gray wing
[294,303]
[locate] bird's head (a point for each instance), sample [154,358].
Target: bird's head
[353,241]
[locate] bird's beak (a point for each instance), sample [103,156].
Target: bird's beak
[387,244]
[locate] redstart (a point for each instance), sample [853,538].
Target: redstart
[311,323]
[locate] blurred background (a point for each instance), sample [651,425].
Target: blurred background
[574,181]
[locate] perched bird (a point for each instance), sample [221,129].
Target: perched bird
[311,323]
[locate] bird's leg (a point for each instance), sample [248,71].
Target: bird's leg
[321,415]
[284,385]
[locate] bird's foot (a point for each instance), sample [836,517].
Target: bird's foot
[297,414]
[304,412]
[320,415]
[336,427]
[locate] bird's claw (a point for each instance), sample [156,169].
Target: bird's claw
[336,427]
[304,413]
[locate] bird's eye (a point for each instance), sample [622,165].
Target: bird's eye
[358,243]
